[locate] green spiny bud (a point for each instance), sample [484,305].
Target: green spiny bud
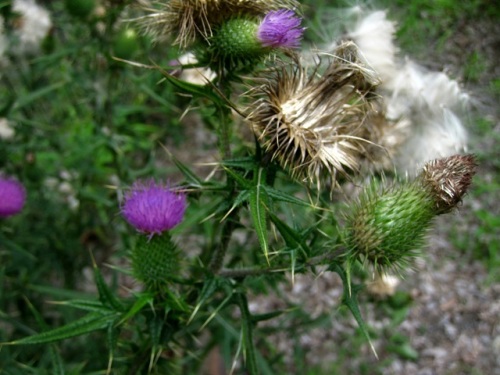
[242,41]
[233,45]
[387,228]
[155,260]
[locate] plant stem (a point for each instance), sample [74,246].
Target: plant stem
[227,230]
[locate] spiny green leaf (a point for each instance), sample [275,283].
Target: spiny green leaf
[143,300]
[267,316]
[240,198]
[258,208]
[284,197]
[196,90]
[349,300]
[244,183]
[293,239]
[89,323]
[60,293]
[247,335]
[209,288]
[106,296]
[55,357]
[83,304]
[57,362]
[216,311]
[246,163]
[112,338]
[190,176]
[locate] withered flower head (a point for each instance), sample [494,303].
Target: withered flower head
[448,179]
[317,124]
[188,20]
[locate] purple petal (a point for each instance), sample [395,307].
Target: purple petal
[153,208]
[12,197]
[280,28]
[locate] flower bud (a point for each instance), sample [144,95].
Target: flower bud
[388,228]
[155,260]
[243,41]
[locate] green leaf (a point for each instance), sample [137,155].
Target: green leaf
[60,293]
[190,176]
[284,197]
[209,288]
[143,300]
[246,163]
[83,304]
[35,95]
[247,335]
[293,239]
[55,357]
[57,362]
[258,200]
[349,300]
[106,296]
[112,339]
[244,183]
[206,91]
[267,316]
[89,323]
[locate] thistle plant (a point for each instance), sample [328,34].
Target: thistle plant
[198,248]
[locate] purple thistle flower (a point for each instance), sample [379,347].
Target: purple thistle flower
[153,208]
[12,197]
[280,28]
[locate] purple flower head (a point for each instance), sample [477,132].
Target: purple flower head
[12,197]
[153,208]
[280,28]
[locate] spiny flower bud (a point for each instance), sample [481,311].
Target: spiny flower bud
[243,41]
[155,260]
[195,20]
[448,179]
[153,208]
[387,227]
[317,125]
[12,197]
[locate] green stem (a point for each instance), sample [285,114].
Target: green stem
[220,251]
[247,332]
[225,151]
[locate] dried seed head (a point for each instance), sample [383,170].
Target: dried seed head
[317,125]
[448,179]
[189,20]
